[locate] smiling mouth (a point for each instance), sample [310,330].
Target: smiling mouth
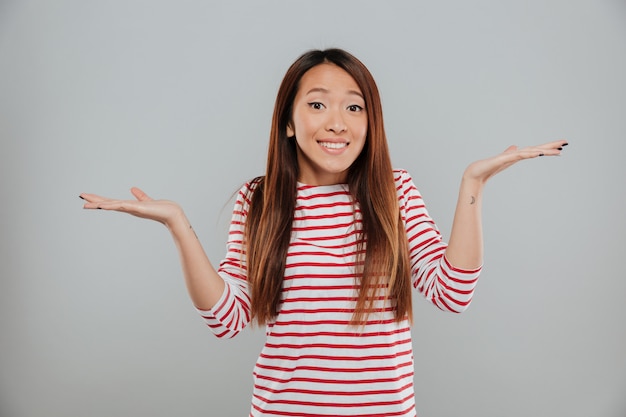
[333,145]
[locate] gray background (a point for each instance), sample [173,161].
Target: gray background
[176,97]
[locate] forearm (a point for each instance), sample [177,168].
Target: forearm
[204,285]
[465,245]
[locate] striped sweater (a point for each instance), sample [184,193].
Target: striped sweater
[313,363]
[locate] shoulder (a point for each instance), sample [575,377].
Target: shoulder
[408,194]
[254,182]
[244,195]
[403,180]
[252,185]
[400,175]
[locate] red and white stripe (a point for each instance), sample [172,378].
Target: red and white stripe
[313,363]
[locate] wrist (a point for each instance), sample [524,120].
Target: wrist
[177,222]
[472,183]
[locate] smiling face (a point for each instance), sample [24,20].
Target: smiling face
[329,123]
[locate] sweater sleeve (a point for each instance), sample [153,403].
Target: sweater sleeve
[232,312]
[447,287]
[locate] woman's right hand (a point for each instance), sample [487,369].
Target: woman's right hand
[162,211]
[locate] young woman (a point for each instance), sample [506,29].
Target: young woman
[325,248]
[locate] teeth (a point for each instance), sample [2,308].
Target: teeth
[333,145]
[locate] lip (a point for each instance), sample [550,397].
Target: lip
[334,151]
[334,140]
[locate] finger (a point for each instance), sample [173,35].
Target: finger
[547,149]
[117,205]
[558,145]
[555,144]
[139,194]
[91,198]
[134,207]
[550,149]
[104,204]
[553,148]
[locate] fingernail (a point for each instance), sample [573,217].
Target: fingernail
[81,197]
[540,154]
[565,144]
[560,149]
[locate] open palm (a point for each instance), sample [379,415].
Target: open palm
[484,169]
[143,206]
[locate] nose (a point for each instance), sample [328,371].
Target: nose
[335,122]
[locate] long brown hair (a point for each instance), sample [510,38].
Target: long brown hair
[385,263]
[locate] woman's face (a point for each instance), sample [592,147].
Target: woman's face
[329,123]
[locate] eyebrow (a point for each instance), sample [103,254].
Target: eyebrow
[324,90]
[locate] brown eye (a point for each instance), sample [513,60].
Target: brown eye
[316,105]
[355,108]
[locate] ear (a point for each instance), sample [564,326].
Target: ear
[290,132]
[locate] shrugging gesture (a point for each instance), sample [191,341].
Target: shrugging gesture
[465,246]
[297,261]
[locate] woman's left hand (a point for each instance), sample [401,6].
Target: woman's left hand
[484,169]
[465,246]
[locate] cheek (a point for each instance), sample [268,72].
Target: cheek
[362,131]
[301,125]
[362,135]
